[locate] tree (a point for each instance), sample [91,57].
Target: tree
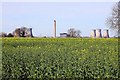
[78,32]
[114,20]
[74,33]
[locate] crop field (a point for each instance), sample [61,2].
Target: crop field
[60,58]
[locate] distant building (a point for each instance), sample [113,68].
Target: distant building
[16,33]
[64,35]
[96,33]
[93,33]
[106,33]
[23,32]
[28,32]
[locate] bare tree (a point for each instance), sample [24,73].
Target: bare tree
[74,33]
[114,20]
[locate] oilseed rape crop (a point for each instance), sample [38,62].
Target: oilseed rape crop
[60,58]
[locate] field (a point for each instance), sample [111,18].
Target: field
[60,58]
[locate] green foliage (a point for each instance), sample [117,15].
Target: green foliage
[53,58]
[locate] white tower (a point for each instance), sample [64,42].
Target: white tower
[106,33]
[55,28]
[98,33]
[93,33]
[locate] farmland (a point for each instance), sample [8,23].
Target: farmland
[50,58]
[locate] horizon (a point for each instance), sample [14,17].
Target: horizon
[40,16]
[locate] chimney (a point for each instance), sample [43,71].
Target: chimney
[31,35]
[98,33]
[106,33]
[93,33]
[54,28]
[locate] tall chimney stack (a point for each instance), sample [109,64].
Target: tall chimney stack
[54,28]
[106,33]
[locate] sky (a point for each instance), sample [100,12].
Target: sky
[40,16]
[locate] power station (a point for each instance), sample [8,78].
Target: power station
[96,33]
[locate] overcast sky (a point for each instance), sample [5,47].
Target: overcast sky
[40,16]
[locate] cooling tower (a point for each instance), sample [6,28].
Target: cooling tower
[98,33]
[106,33]
[16,33]
[31,35]
[28,32]
[93,33]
